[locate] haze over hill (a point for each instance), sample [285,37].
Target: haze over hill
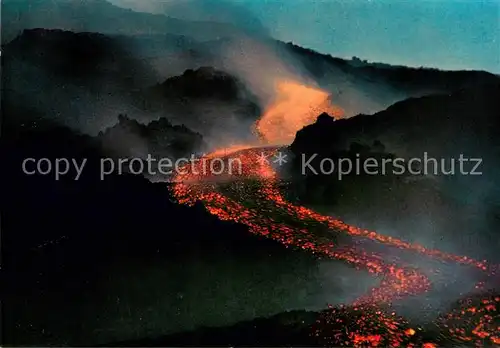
[98,16]
[123,258]
[110,75]
[413,33]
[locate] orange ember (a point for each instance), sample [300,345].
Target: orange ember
[410,332]
[429,345]
[294,107]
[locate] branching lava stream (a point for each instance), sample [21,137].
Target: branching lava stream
[376,324]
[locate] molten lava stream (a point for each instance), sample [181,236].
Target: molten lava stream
[295,107]
[397,281]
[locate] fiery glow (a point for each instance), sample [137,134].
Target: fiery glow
[267,217]
[271,215]
[227,150]
[294,107]
[410,332]
[429,345]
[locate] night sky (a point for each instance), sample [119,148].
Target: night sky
[447,34]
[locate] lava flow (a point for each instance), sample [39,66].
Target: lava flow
[272,216]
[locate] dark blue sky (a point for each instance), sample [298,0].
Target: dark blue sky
[449,34]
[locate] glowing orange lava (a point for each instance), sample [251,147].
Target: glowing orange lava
[294,107]
[267,216]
